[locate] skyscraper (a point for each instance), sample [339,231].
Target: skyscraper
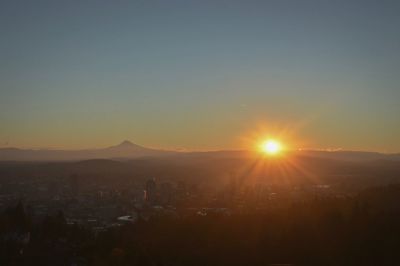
[151,188]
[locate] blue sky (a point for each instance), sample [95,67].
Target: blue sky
[199,74]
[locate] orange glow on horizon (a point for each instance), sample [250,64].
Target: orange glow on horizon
[274,140]
[271,147]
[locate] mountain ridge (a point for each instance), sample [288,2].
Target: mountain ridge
[125,149]
[129,150]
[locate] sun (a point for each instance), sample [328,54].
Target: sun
[271,147]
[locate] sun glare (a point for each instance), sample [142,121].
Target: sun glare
[271,147]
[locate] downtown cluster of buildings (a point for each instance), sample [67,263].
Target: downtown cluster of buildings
[98,206]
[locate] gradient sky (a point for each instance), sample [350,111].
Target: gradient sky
[200,74]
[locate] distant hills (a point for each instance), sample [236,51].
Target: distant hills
[129,150]
[352,155]
[128,161]
[124,150]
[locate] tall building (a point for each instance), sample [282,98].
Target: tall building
[151,191]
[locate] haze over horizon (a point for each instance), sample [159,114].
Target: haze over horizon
[129,145]
[200,76]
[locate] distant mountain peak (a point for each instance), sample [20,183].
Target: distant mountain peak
[126,143]
[125,149]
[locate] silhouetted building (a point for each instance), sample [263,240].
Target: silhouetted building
[151,191]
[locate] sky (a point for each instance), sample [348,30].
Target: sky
[200,75]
